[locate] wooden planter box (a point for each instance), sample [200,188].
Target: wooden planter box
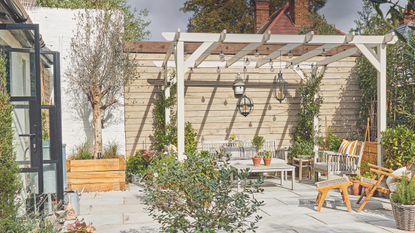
[96,175]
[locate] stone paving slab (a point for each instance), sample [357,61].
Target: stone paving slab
[286,210]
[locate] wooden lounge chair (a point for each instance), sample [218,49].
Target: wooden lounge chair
[335,163]
[376,185]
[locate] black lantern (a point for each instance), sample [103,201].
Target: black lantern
[245,106]
[280,88]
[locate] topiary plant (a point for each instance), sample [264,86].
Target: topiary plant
[258,142]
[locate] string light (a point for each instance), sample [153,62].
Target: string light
[256,54]
[324,53]
[271,62]
[290,54]
[247,62]
[218,70]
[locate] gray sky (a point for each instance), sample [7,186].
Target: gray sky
[165,15]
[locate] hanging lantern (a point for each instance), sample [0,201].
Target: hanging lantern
[280,88]
[245,106]
[239,85]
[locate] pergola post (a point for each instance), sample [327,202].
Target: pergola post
[166,95]
[179,57]
[381,97]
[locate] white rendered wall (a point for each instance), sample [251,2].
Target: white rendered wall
[56,28]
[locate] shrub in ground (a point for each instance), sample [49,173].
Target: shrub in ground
[195,195]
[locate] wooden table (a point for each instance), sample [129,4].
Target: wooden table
[276,167]
[303,163]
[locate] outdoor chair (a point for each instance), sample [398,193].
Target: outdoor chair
[338,163]
[323,188]
[372,185]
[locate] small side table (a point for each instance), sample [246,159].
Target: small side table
[303,162]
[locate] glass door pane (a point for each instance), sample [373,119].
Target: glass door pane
[21,74]
[21,126]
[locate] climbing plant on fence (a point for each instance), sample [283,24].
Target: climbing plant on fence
[167,134]
[311,101]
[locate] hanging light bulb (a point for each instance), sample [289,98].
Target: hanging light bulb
[256,54]
[218,70]
[272,69]
[271,62]
[191,70]
[324,53]
[291,64]
[247,62]
[185,51]
[245,69]
[290,54]
[222,56]
[312,65]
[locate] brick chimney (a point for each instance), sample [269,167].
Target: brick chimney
[261,14]
[299,12]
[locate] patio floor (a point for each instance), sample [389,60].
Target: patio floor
[285,211]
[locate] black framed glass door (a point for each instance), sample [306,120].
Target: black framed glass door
[39,157]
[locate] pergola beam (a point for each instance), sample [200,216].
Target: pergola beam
[337,57]
[248,49]
[370,54]
[170,50]
[313,53]
[206,49]
[276,54]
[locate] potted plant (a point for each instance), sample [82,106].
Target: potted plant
[267,157]
[258,143]
[355,188]
[403,204]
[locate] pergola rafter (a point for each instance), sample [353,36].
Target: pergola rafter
[211,41]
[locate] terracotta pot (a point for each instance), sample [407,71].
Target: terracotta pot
[267,161]
[355,188]
[256,161]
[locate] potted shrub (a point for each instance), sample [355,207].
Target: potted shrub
[403,204]
[258,143]
[267,157]
[355,188]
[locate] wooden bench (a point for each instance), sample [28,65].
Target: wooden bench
[323,188]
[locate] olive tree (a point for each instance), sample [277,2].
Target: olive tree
[99,64]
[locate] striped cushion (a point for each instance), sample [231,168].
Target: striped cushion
[348,147]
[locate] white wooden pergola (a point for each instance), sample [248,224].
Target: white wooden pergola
[372,47]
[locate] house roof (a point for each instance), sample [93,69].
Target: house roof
[280,23]
[403,29]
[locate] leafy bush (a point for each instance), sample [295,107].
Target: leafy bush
[110,150]
[399,144]
[10,182]
[200,196]
[138,163]
[301,147]
[405,192]
[82,151]
[331,142]
[267,154]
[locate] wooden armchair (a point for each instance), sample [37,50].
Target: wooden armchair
[334,163]
[376,185]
